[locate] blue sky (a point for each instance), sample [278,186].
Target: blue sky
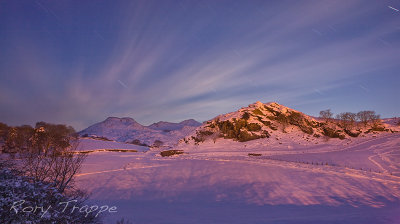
[78,62]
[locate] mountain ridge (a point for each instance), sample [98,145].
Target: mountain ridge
[169,126]
[128,130]
[256,121]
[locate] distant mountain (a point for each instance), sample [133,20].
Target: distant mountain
[128,130]
[169,126]
[113,125]
[275,121]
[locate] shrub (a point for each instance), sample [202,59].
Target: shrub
[307,130]
[312,123]
[265,134]
[212,125]
[295,118]
[266,123]
[18,139]
[281,118]
[231,129]
[137,142]
[237,130]
[258,112]
[376,128]
[170,153]
[225,126]
[157,143]
[254,154]
[274,112]
[203,135]
[351,133]
[273,127]
[3,130]
[246,116]
[245,136]
[332,133]
[239,124]
[253,127]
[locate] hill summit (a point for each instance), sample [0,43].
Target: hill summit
[262,120]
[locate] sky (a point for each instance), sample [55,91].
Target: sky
[78,62]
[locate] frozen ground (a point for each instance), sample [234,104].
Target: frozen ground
[355,181]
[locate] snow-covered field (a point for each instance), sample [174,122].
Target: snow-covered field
[355,181]
[87,144]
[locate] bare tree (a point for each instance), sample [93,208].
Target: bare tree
[375,120]
[347,120]
[327,115]
[52,155]
[368,117]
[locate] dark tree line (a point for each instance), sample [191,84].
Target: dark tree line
[46,152]
[349,120]
[42,164]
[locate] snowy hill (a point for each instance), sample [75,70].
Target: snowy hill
[275,121]
[130,131]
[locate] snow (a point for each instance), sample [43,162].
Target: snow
[23,201]
[219,182]
[128,130]
[169,126]
[87,144]
[392,123]
[297,178]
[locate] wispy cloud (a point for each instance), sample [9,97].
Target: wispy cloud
[160,61]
